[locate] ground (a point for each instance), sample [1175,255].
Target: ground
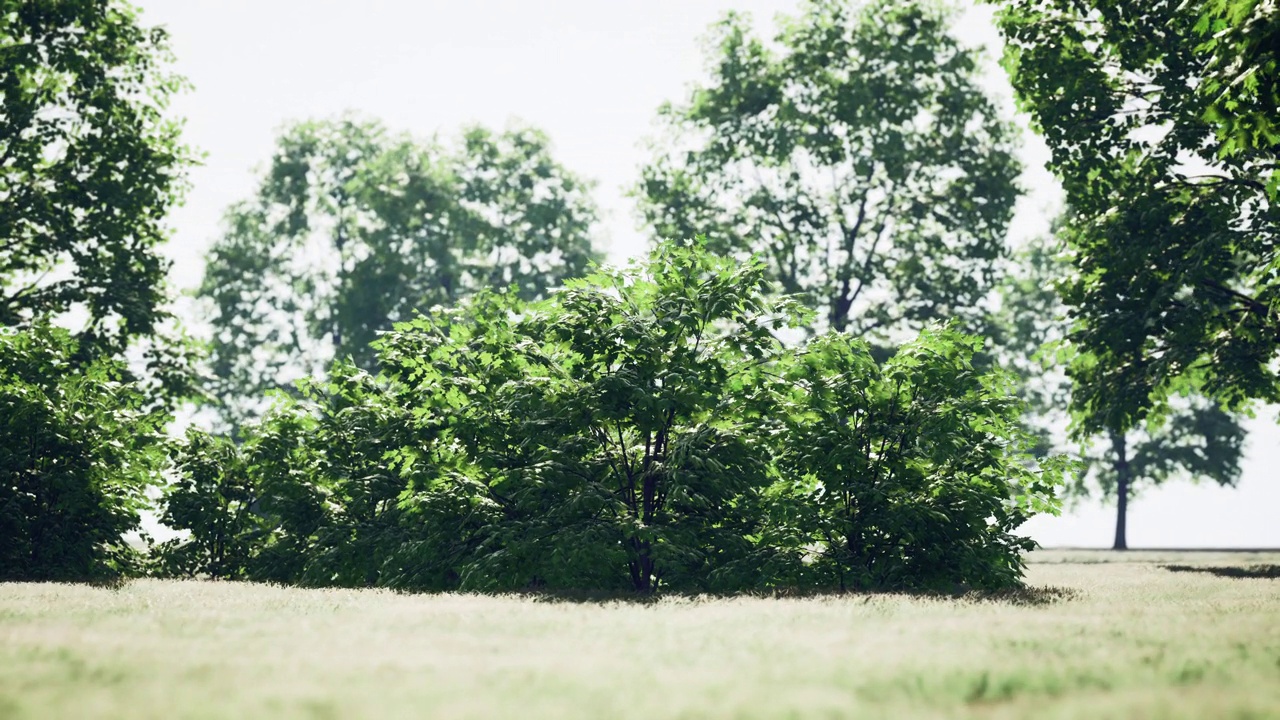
[1118,635]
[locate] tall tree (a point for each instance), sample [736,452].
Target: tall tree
[860,158]
[89,166]
[1160,117]
[1193,439]
[354,228]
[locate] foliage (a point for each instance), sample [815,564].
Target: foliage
[613,434]
[307,498]
[1198,440]
[914,473]
[1191,438]
[1241,38]
[642,429]
[211,499]
[77,454]
[89,165]
[1157,118]
[861,159]
[354,228]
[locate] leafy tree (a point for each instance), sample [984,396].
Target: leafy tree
[1157,115]
[860,158]
[1193,438]
[77,454]
[354,228]
[89,166]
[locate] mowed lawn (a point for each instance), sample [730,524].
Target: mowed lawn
[1125,637]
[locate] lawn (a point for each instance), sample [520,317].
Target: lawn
[1118,635]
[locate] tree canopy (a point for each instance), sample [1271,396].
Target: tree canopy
[89,166]
[354,228]
[857,154]
[1160,118]
[1191,438]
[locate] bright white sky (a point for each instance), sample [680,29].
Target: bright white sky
[591,74]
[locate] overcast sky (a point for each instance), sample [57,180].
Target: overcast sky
[591,74]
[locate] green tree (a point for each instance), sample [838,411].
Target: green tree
[1192,438]
[89,166]
[1158,118]
[354,228]
[860,158]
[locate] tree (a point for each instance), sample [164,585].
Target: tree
[1158,118]
[354,228]
[1192,438]
[861,159]
[89,166]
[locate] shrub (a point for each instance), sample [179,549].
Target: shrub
[609,438]
[642,429]
[908,474]
[77,455]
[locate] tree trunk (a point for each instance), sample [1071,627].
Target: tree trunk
[1122,489]
[641,568]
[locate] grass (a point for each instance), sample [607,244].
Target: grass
[1126,639]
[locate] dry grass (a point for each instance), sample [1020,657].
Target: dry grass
[1129,640]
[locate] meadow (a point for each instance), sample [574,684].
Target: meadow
[1131,635]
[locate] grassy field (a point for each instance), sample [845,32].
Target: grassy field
[1121,636]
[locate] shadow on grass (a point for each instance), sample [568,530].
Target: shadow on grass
[1256,571]
[1024,596]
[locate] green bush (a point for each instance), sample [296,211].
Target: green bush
[306,499]
[908,474]
[78,452]
[609,439]
[643,429]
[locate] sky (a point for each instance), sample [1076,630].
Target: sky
[591,74]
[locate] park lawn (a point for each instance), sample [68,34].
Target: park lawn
[1120,636]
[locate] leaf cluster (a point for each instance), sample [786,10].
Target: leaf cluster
[89,166]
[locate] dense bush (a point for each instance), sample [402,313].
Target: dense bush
[643,429]
[304,499]
[910,473]
[612,438]
[77,454]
